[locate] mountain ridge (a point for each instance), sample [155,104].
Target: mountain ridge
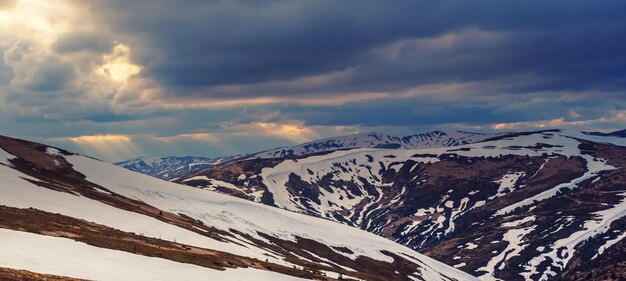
[619,133]
[376,140]
[173,167]
[446,201]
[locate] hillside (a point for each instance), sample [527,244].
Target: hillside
[67,216]
[535,205]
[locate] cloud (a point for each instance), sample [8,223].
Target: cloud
[220,77]
[59,65]
[394,47]
[227,139]
[6,73]
[49,75]
[118,65]
[615,117]
[82,41]
[7,4]
[208,137]
[293,131]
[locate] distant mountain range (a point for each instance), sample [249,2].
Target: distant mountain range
[173,167]
[377,140]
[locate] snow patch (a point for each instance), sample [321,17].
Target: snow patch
[53,151]
[5,157]
[515,245]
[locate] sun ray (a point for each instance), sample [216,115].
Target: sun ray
[109,147]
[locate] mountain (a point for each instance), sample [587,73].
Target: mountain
[63,214]
[376,140]
[544,205]
[620,134]
[172,167]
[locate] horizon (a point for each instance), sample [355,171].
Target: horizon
[118,80]
[140,157]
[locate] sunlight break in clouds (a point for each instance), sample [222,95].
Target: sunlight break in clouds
[118,65]
[109,147]
[40,19]
[619,116]
[58,47]
[295,132]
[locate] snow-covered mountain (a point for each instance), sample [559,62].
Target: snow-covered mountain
[546,205]
[69,215]
[172,167]
[377,140]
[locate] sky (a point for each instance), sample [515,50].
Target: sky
[118,79]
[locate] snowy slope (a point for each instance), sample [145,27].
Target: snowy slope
[521,206]
[65,257]
[276,178]
[181,220]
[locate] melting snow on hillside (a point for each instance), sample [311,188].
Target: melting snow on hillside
[213,209]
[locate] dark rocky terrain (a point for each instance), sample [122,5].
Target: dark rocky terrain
[545,205]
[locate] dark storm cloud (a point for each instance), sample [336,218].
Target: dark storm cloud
[188,45]
[417,113]
[50,75]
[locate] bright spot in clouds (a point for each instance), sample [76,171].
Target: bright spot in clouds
[112,147]
[118,66]
[40,19]
[295,133]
